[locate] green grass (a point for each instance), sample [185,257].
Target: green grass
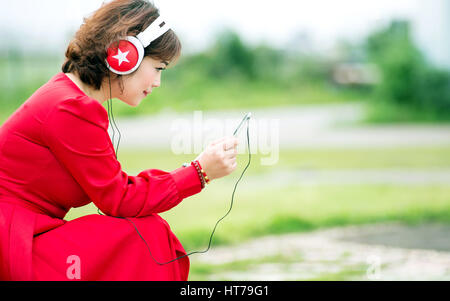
[275,210]
[430,158]
[298,208]
[295,209]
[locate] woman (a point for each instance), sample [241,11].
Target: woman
[55,154]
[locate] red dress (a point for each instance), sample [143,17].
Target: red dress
[56,154]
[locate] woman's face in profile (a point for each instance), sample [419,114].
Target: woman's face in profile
[141,83]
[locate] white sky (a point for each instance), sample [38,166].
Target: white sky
[196,20]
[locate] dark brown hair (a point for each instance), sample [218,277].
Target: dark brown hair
[113,21]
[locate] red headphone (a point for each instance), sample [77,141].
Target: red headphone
[127,55]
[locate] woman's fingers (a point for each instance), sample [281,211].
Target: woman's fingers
[232,153]
[227,142]
[219,158]
[233,165]
[218,141]
[233,161]
[230,143]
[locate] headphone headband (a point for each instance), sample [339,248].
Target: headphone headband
[154,31]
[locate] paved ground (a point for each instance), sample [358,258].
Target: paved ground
[374,252]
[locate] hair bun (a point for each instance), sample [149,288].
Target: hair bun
[73,51]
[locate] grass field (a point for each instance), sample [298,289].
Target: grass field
[298,208]
[437,158]
[280,209]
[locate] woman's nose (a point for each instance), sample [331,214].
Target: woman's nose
[157,82]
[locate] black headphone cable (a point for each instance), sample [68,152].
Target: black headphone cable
[217,223]
[110,112]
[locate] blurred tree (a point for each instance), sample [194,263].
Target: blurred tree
[231,57]
[312,69]
[401,63]
[407,78]
[269,64]
[434,92]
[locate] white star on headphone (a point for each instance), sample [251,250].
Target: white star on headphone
[122,57]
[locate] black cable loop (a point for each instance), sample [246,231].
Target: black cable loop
[217,223]
[214,230]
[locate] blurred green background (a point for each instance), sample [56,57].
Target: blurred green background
[386,73]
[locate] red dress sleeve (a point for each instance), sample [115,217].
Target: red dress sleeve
[76,132]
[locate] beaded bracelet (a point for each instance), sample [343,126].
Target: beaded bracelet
[207,180]
[199,172]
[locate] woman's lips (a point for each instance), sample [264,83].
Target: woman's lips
[146,93]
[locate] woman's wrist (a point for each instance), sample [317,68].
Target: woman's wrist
[205,176]
[200,176]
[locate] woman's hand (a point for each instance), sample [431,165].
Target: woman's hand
[219,158]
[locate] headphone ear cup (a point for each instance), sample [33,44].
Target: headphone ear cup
[125,56]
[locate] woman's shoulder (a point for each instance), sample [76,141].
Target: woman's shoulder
[68,98]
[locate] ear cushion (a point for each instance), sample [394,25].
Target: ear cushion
[125,56]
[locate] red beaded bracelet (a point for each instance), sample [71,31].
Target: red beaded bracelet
[200,175]
[207,180]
